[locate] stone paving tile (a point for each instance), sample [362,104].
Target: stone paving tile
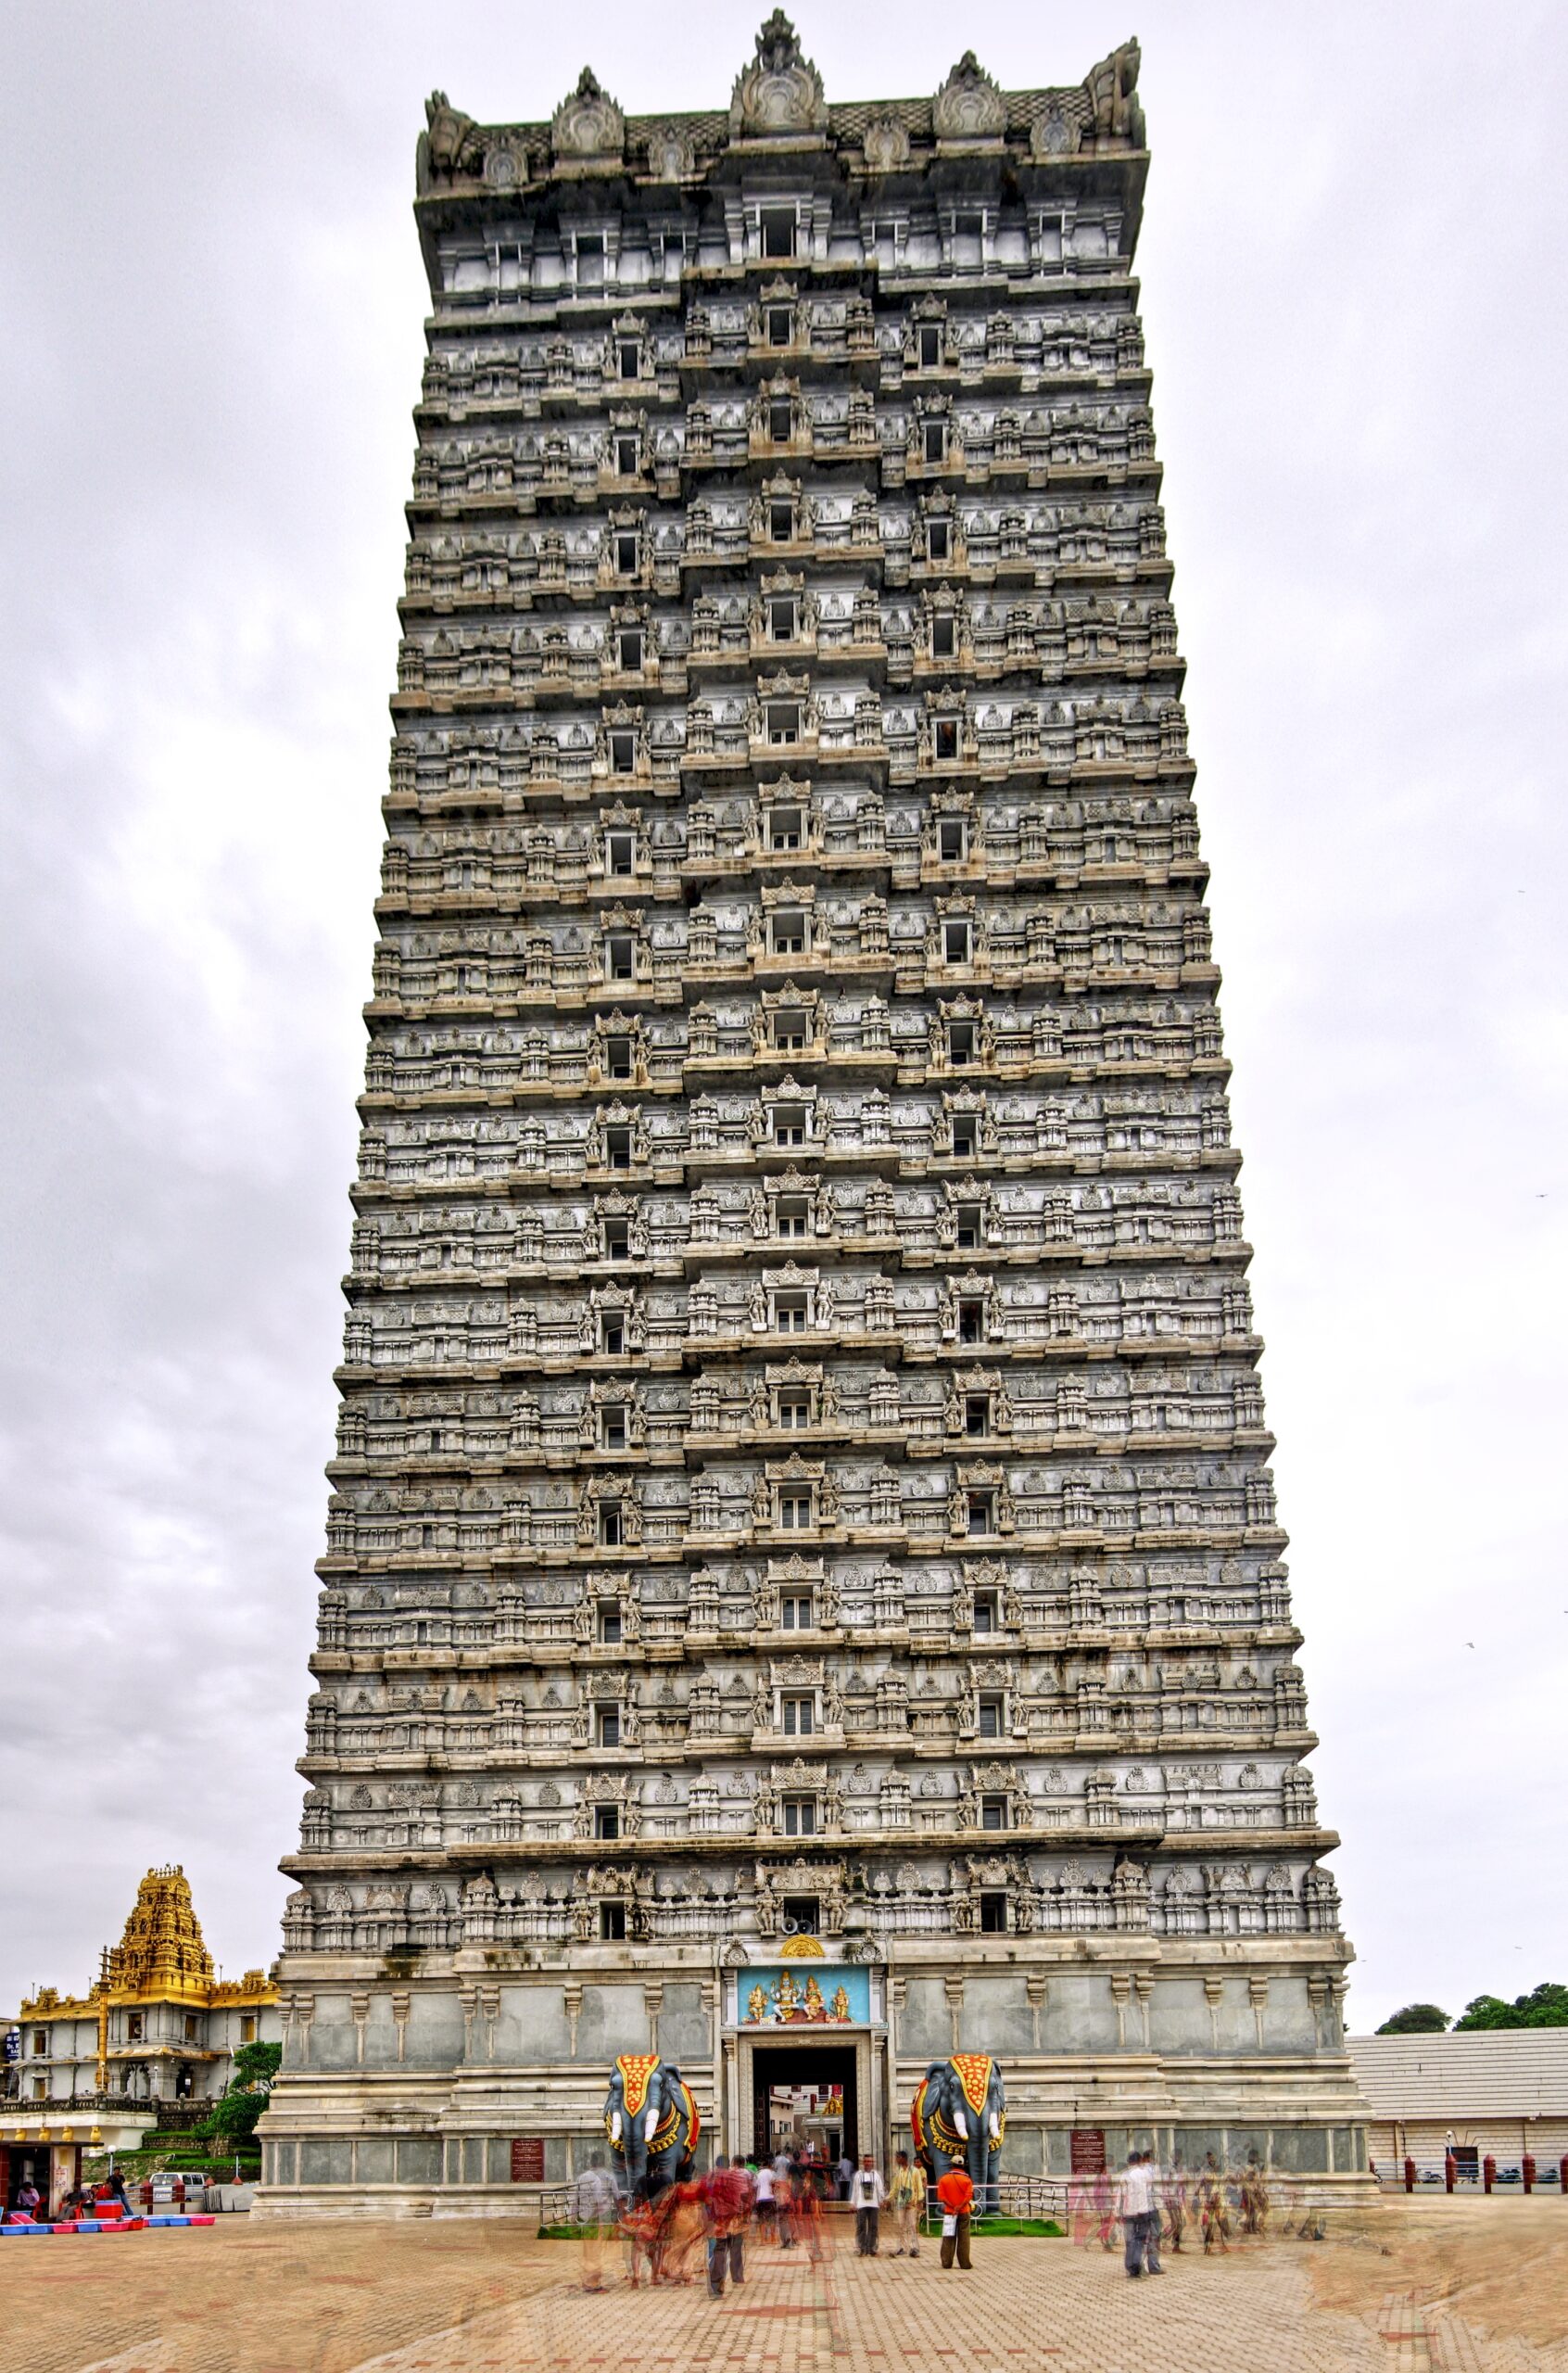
[1396,2292]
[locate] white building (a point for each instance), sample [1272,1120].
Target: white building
[1503,2094]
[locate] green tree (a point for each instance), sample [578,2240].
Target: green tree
[1416,2019]
[239,2106]
[1544,2006]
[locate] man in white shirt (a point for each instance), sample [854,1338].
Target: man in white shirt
[867,2192]
[1138,2206]
[763,2179]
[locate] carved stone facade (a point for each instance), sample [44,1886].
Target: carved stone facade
[801,1464]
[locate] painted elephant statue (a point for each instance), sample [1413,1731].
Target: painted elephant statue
[959,2115]
[652,2121]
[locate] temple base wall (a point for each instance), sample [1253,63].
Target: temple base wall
[406,2096]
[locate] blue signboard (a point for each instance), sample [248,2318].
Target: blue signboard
[802,1994]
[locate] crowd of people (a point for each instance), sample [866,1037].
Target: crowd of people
[1209,2202]
[674,2234]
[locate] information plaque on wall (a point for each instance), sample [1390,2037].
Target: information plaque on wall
[1088,2150]
[527,2160]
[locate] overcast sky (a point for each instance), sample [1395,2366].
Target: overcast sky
[213,304]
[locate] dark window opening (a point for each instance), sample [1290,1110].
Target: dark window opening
[944,643]
[620,850]
[618,1239]
[623,753]
[630,640]
[993,1915]
[778,233]
[930,347]
[938,539]
[617,1146]
[977,1412]
[971,1321]
[608,1728]
[607,1820]
[802,1915]
[800,1816]
[609,1627]
[611,1924]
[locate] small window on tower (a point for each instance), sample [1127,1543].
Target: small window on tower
[620,957]
[607,1820]
[783,723]
[618,1239]
[789,1030]
[629,652]
[794,1612]
[944,643]
[622,753]
[609,1529]
[955,943]
[608,1726]
[798,1717]
[802,1915]
[781,619]
[612,1923]
[971,1320]
[977,1412]
[789,1313]
[781,324]
[964,1136]
[627,551]
[784,828]
[930,347]
[934,440]
[969,1227]
[590,259]
[993,1915]
[618,1057]
[960,1036]
[617,1147]
[782,519]
[612,1427]
[629,356]
[620,853]
[793,1216]
[795,1409]
[985,1611]
[991,1715]
[611,1333]
[778,233]
[938,541]
[952,835]
[944,738]
[994,1813]
[981,1516]
[800,1816]
[135,2030]
[789,1125]
[781,419]
[609,1627]
[794,1511]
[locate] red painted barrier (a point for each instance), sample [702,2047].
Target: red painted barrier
[1527,2169]
[1447,2171]
[1489,2173]
[1410,2175]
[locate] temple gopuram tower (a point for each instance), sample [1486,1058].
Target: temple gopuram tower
[804,1593]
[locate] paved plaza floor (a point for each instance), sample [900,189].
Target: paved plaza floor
[1428,2287]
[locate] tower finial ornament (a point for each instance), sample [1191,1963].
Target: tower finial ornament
[781,90]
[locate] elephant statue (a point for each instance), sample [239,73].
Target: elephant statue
[959,2115]
[652,2121]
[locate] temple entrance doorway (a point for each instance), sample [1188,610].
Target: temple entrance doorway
[805,2100]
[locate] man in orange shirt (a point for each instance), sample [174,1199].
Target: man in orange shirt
[956,2194]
